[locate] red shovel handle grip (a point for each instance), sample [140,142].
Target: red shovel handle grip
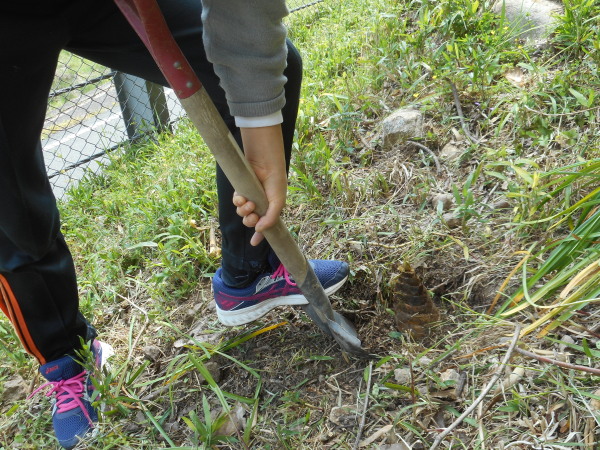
[147,20]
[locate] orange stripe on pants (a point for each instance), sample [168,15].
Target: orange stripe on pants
[11,308]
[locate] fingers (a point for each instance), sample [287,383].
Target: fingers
[271,216]
[257,238]
[245,209]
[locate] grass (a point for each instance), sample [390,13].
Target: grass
[525,196]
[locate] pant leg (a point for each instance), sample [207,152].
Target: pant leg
[38,288]
[111,42]
[242,262]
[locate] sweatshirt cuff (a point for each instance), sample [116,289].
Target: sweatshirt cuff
[263,121]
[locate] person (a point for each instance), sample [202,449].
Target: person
[252,72]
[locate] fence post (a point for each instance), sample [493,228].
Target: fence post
[143,104]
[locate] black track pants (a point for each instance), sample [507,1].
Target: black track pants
[38,290]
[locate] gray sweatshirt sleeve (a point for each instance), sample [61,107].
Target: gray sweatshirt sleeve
[245,40]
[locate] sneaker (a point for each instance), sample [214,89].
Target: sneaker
[269,290]
[73,415]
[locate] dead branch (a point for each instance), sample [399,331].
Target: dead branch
[461,116]
[566,365]
[364,413]
[487,389]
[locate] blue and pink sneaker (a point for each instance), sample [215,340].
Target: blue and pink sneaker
[73,416]
[270,290]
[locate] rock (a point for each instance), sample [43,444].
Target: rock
[151,352]
[343,416]
[567,340]
[402,124]
[532,20]
[424,361]
[402,376]
[451,152]
[445,199]
[501,204]
[191,314]
[15,389]
[234,422]
[450,375]
[451,220]
[213,369]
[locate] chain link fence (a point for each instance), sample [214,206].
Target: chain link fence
[93,110]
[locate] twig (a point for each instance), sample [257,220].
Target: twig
[487,389]
[460,385]
[461,116]
[574,113]
[380,244]
[438,168]
[566,365]
[481,350]
[364,413]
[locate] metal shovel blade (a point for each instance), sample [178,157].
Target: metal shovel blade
[329,321]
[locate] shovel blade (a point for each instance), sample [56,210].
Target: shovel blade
[339,328]
[345,335]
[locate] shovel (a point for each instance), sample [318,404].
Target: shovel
[147,20]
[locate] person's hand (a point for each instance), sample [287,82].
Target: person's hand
[263,148]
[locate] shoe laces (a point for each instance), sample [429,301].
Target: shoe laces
[68,394]
[282,272]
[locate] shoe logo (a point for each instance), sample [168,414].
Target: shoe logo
[266,282]
[51,369]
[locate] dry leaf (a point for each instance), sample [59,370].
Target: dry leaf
[512,379]
[375,436]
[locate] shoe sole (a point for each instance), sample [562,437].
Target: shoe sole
[250,314]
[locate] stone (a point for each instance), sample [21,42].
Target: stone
[451,152]
[234,422]
[343,416]
[402,376]
[566,339]
[15,389]
[451,220]
[501,204]
[445,199]
[213,369]
[424,361]
[151,352]
[533,20]
[402,124]
[450,375]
